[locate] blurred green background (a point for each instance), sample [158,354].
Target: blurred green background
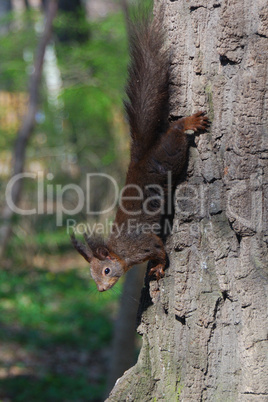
[55,328]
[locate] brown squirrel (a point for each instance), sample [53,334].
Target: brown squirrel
[156,149]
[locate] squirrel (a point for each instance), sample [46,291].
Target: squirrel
[157,148]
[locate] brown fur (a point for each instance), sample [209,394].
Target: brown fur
[156,149]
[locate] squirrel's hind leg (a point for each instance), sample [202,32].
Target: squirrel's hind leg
[171,151]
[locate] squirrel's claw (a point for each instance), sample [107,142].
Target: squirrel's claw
[158,271]
[198,121]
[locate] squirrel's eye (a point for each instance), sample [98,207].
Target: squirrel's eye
[107,271]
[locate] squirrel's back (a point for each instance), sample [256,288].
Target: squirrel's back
[147,85]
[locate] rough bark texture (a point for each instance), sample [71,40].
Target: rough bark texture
[204,325]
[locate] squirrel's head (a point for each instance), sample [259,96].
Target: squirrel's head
[106,267]
[106,272]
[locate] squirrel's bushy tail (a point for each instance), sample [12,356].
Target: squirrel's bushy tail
[147,85]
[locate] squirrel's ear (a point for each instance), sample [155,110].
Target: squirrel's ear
[82,248]
[102,253]
[97,246]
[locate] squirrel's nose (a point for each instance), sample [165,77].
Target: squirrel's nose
[101,288]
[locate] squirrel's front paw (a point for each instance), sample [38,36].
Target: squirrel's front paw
[158,271]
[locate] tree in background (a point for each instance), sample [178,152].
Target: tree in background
[27,127]
[81,131]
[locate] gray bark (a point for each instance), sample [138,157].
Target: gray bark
[204,325]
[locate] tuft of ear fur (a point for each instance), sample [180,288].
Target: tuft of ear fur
[98,246]
[85,251]
[102,253]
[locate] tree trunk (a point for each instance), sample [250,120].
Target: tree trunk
[124,340]
[204,325]
[27,5]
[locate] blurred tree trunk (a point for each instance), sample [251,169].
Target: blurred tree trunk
[27,5]
[204,325]
[124,339]
[124,345]
[27,126]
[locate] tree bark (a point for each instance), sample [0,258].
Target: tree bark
[204,325]
[27,126]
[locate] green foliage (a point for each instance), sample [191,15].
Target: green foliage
[71,24]
[43,311]
[100,61]
[93,74]
[55,308]
[78,131]
[16,51]
[53,387]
